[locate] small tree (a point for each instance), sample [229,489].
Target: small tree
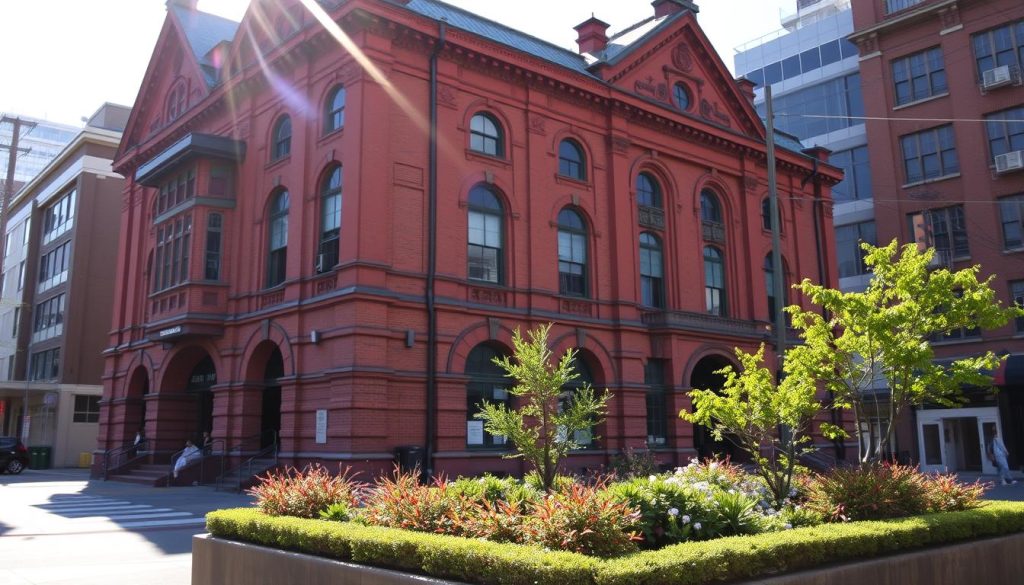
[767,420]
[541,429]
[882,336]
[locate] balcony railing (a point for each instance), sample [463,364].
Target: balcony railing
[652,217]
[713,231]
[898,5]
[702,322]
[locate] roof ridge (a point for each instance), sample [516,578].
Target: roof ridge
[506,27]
[632,27]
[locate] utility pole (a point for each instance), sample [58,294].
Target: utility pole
[12,159]
[773,208]
[5,203]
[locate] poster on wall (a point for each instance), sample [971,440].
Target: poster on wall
[321,427]
[474,432]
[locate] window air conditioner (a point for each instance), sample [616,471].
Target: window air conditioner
[998,77]
[1011,161]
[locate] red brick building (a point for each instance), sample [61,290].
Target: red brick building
[942,86]
[301,258]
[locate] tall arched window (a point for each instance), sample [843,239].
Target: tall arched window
[330,220]
[282,146]
[572,254]
[769,285]
[486,135]
[584,378]
[712,224]
[277,256]
[486,218]
[652,287]
[572,162]
[714,281]
[176,102]
[214,226]
[334,110]
[710,208]
[648,191]
[487,384]
[766,215]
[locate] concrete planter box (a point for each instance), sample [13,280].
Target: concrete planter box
[994,561]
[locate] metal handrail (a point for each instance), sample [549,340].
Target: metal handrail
[129,452]
[247,465]
[205,451]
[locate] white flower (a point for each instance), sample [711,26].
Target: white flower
[696,526]
[673,511]
[713,465]
[652,478]
[787,526]
[686,519]
[792,492]
[732,491]
[771,510]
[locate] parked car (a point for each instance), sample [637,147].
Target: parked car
[13,455]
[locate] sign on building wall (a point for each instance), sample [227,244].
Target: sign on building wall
[321,427]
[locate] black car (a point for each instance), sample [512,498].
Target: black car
[13,455]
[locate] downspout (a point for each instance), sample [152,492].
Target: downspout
[816,209]
[431,397]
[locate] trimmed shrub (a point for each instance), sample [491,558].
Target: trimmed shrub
[304,493]
[733,558]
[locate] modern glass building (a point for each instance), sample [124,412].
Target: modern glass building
[43,139]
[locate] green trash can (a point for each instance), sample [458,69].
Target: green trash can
[39,457]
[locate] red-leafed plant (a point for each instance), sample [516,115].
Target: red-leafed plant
[305,493]
[401,502]
[585,520]
[946,494]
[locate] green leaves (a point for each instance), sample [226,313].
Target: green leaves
[543,428]
[879,339]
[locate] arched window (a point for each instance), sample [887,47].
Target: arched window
[282,146]
[584,378]
[710,208]
[648,191]
[652,288]
[277,256]
[572,162]
[334,110]
[572,254]
[714,281]
[769,285]
[176,102]
[682,96]
[486,218]
[486,135]
[487,384]
[330,220]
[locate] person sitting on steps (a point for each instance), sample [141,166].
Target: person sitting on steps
[188,455]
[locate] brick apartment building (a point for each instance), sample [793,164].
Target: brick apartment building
[300,258]
[945,127]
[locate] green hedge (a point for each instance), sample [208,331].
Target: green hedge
[722,559]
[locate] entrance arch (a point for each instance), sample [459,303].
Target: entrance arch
[270,407]
[135,403]
[184,399]
[704,377]
[262,394]
[200,383]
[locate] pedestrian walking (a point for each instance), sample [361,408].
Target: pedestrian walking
[997,453]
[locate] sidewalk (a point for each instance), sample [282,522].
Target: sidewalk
[1013,492]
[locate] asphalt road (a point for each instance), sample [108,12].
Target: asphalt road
[57,527]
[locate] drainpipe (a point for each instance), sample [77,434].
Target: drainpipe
[431,398]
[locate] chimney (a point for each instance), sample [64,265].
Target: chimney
[669,7]
[747,88]
[189,5]
[593,37]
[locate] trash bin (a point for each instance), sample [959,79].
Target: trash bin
[39,457]
[85,460]
[409,457]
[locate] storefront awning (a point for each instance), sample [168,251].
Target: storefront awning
[1010,373]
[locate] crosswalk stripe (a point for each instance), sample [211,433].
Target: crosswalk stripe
[83,505]
[150,515]
[116,510]
[91,508]
[176,522]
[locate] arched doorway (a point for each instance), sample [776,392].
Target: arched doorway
[705,377]
[270,408]
[200,384]
[584,377]
[487,385]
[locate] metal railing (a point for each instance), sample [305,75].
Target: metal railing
[247,467]
[123,456]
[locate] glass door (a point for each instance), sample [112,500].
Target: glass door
[932,451]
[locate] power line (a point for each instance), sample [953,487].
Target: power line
[885,118]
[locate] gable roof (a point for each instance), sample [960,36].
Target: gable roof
[499,33]
[203,32]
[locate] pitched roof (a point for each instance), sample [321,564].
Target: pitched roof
[204,32]
[478,25]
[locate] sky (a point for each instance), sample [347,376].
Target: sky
[65,58]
